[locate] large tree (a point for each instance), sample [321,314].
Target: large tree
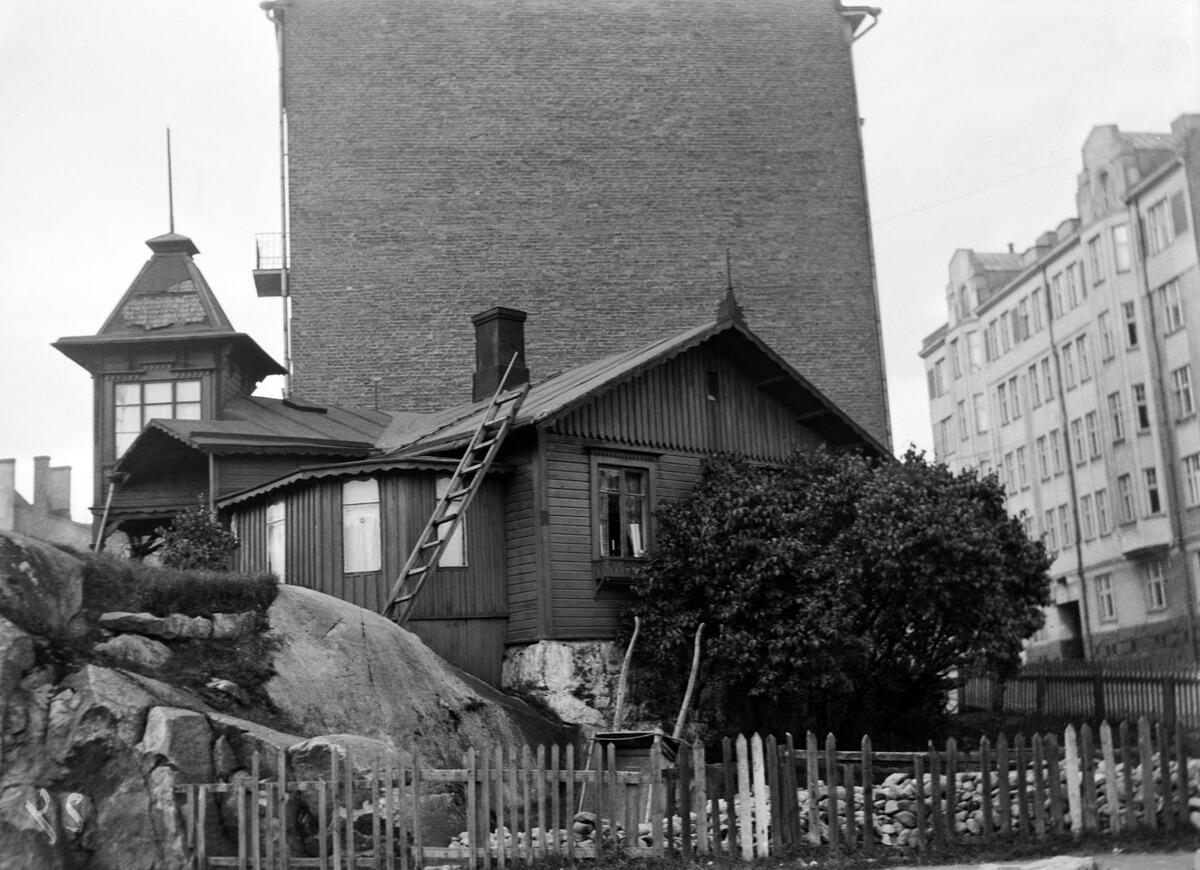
[837,592]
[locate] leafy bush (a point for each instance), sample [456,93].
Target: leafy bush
[195,539]
[117,584]
[837,593]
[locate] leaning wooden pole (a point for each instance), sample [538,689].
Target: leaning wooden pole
[691,686]
[623,680]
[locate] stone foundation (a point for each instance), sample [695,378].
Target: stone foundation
[575,679]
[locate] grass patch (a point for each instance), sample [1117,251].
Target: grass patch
[116,584]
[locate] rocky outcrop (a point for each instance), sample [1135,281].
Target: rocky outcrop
[41,587]
[342,669]
[575,679]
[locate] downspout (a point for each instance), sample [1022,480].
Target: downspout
[1166,440]
[1085,615]
[274,10]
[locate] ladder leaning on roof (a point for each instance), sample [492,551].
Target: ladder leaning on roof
[477,458]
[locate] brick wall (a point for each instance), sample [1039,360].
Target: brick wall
[587,162]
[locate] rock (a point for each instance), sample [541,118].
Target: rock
[233,626]
[904,817]
[894,779]
[41,587]
[133,649]
[342,669]
[224,759]
[246,738]
[140,623]
[187,627]
[126,698]
[891,807]
[311,759]
[229,688]
[183,738]
[16,657]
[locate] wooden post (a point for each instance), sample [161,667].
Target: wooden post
[791,805]
[935,795]
[1003,795]
[375,838]
[831,780]
[526,820]
[762,814]
[348,767]
[1149,816]
[700,800]
[1088,778]
[389,814]
[1074,803]
[1111,794]
[334,792]
[745,823]
[728,768]
[255,823]
[556,821]
[868,791]
[951,791]
[1039,787]
[658,787]
[985,787]
[684,765]
[1168,702]
[1130,813]
[919,797]
[812,772]
[1164,778]
[1181,786]
[1022,825]
[569,798]
[1053,774]
[771,760]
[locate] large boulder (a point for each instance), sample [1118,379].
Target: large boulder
[41,587]
[342,669]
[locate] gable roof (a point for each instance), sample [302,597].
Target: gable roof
[254,424]
[559,393]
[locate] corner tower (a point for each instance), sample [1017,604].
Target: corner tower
[167,350]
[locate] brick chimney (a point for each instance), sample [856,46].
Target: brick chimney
[499,333]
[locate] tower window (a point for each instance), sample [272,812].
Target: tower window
[138,403]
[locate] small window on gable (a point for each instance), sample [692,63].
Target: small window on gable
[455,553]
[360,526]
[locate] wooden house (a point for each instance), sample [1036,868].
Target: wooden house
[333,498]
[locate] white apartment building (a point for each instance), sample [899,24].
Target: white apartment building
[1069,370]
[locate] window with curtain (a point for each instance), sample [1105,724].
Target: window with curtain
[277,539]
[360,526]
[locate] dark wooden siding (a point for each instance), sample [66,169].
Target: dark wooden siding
[242,470]
[520,522]
[462,612]
[667,408]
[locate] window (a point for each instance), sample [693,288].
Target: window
[1077,441]
[974,351]
[1064,525]
[955,360]
[964,429]
[1191,474]
[937,378]
[360,526]
[1051,536]
[1106,605]
[1117,412]
[1152,500]
[981,415]
[1181,389]
[1093,434]
[1048,379]
[1141,408]
[1056,296]
[455,553]
[1104,327]
[1125,494]
[1006,332]
[1010,472]
[1121,256]
[1172,306]
[1158,234]
[1014,398]
[1156,586]
[992,341]
[1102,518]
[277,539]
[1179,218]
[1072,287]
[1022,469]
[1023,319]
[1039,310]
[1096,259]
[623,510]
[1085,361]
[1027,525]
[943,444]
[1056,451]
[1002,396]
[1131,331]
[1087,517]
[1035,388]
[1068,366]
[139,403]
[1043,457]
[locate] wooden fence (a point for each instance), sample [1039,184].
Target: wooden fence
[1091,691]
[759,797]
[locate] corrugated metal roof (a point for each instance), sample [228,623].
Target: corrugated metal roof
[257,424]
[564,390]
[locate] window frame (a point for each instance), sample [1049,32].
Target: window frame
[275,537]
[120,445]
[1181,391]
[361,508]
[1122,250]
[620,569]
[1106,602]
[1172,306]
[1155,583]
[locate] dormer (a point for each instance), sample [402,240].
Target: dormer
[167,350]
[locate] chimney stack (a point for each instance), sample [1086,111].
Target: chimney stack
[499,333]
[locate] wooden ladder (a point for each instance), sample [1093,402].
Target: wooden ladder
[477,458]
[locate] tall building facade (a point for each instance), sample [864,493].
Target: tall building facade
[593,164]
[1069,370]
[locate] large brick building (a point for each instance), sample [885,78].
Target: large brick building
[588,162]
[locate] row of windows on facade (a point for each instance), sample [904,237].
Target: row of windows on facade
[1162,228]
[623,514]
[1168,297]
[1154,586]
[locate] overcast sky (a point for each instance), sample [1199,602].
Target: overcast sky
[975,112]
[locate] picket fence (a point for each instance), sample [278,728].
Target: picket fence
[1090,690]
[760,797]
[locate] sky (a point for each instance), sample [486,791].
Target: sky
[974,112]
